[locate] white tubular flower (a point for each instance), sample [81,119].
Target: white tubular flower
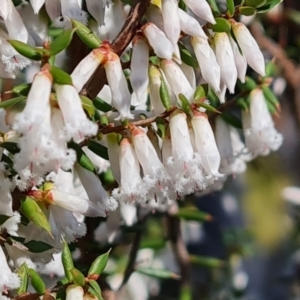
[97,9]
[201,9]
[183,166]
[14,23]
[37,5]
[210,70]
[4,9]
[155,77]
[171,21]
[157,181]
[118,85]
[161,45]
[260,134]
[206,144]
[132,187]
[240,60]
[247,43]
[8,279]
[225,59]
[53,9]
[190,25]
[74,292]
[77,125]
[95,190]
[128,213]
[177,80]
[139,70]
[189,73]
[113,150]
[71,10]
[154,15]
[86,68]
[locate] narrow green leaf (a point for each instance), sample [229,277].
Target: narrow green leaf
[78,277]
[62,41]
[230,7]
[232,120]
[102,105]
[193,214]
[268,7]
[37,246]
[187,57]
[88,105]
[95,289]
[209,262]
[207,107]
[60,76]
[98,149]
[22,89]
[164,94]
[247,10]
[26,50]
[185,293]
[249,84]
[85,34]
[23,275]
[67,261]
[99,264]
[157,273]
[270,97]
[255,3]
[11,147]
[33,213]
[214,7]
[222,25]
[3,219]
[61,294]
[104,120]
[161,127]
[152,243]
[200,93]
[11,102]
[82,158]
[185,104]
[36,281]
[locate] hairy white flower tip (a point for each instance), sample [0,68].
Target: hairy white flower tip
[95,190]
[118,85]
[74,292]
[206,144]
[202,9]
[85,69]
[177,79]
[250,48]
[8,280]
[131,185]
[210,70]
[225,59]
[161,45]
[12,224]
[37,5]
[77,125]
[190,25]
[139,70]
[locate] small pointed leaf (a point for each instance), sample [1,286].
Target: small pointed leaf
[230,7]
[23,275]
[36,281]
[27,51]
[157,273]
[62,41]
[99,264]
[193,214]
[222,25]
[78,277]
[98,149]
[60,76]
[67,261]
[88,105]
[11,102]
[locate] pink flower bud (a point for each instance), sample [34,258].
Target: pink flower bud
[225,59]
[202,9]
[210,70]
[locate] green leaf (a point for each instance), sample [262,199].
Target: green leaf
[247,10]
[36,281]
[255,3]
[230,7]
[249,84]
[222,25]
[23,275]
[88,105]
[34,213]
[11,147]
[11,102]
[60,76]
[77,277]
[185,104]
[99,264]
[200,93]
[207,107]
[3,219]
[187,57]
[185,293]
[67,261]
[268,7]
[164,94]
[85,34]
[157,273]
[209,262]
[153,243]
[37,246]
[232,120]
[82,158]
[193,214]
[62,41]
[27,51]
[214,7]
[182,5]
[98,149]
[161,127]
[95,289]
[270,97]
[22,89]
[61,294]
[102,105]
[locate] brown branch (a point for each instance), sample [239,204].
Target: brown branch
[179,249]
[127,33]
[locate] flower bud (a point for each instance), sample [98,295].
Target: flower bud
[74,292]
[250,49]
[37,5]
[201,9]
[97,9]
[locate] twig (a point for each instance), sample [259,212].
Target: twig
[127,33]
